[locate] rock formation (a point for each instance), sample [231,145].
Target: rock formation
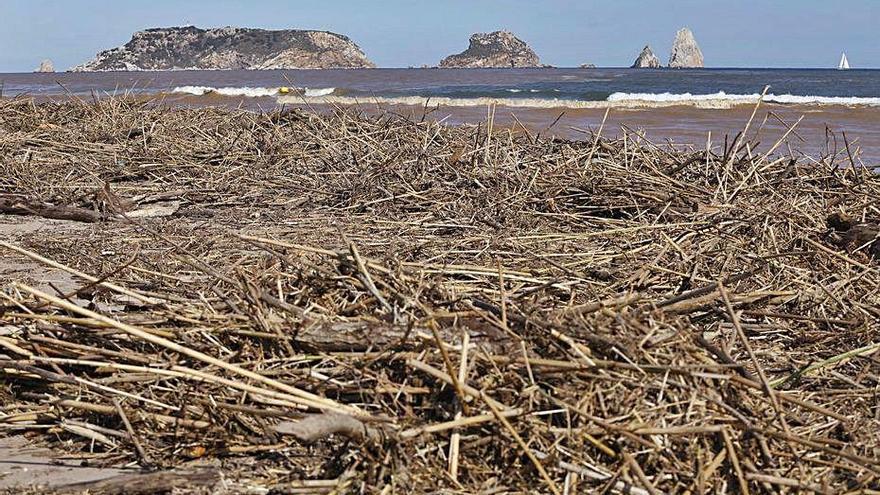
[46,66]
[230,48]
[647,59]
[498,49]
[588,66]
[685,51]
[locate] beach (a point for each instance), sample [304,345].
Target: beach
[445,248]
[392,298]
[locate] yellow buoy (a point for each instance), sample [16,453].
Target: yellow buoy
[284,90]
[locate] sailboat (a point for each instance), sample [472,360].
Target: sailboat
[844,63]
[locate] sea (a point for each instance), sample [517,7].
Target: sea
[824,114]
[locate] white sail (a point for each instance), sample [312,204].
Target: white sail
[844,63]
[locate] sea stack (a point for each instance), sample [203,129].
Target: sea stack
[647,59]
[686,53]
[494,50]
[190,47]
[46,66]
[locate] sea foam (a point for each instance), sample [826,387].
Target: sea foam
[688,98]
[250,92]
[718,100]
[232,91]
[446,101]
[537,103]
[319,92]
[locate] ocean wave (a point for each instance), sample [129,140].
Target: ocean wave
[319,92]
[785,99]
[562,103]
[232,91]
[720,100]
[250,92]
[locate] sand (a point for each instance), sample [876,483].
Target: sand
[25,465]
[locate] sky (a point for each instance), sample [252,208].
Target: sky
[402,33]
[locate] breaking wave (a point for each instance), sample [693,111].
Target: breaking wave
[536,103]
[720,100]
[253,92]
[208,90]
[319,92]
[785,99]
[447,101]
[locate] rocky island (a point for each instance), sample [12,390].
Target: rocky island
[46,66]
[686,53]
[494,50]
[647,59]
[190,47]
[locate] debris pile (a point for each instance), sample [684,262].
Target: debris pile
[323,303]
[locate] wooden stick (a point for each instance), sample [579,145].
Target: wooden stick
[455,439]
[450,370]
[640,474]
[464,422]
[180,372]
[54,264]
[522,445]
[111,411]
[471,391]
[734,460]
[142,455]
[734,318]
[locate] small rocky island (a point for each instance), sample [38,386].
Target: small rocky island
[647,59]
[494,50]
[46,66]
[190,47]
[686,53]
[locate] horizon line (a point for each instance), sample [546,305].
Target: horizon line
[560,67]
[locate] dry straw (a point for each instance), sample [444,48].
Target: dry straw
[638,318]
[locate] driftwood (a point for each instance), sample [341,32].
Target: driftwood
[361,336]
[12,204]
[144,484]
[319,426]
[352,337]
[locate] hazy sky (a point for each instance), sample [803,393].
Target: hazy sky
[400,33]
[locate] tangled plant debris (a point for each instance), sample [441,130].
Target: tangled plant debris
[294,302]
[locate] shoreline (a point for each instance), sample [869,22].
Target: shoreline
[616,101]
[230,96]
[818,130]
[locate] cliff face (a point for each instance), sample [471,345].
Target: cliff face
[494,50]
[647,59]
[230,48]
[685,51]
